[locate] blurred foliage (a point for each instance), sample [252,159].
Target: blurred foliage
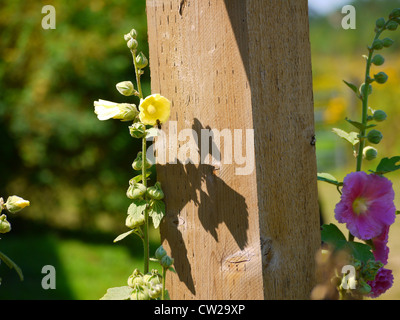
[336,56]
[53,150]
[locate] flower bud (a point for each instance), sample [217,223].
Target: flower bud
[127,37]
[137,130]
[133,33]
[138,162]
[379,115]
[395,13]
[155,192]
[363,287]
[15,204]
[374,136]
[153,278]
[134,221]
[380,23]
[166,261]
[378,60]
[126,88]
[370,153]
[136,190]
[1,204]
[361,89]
[160,252]
[155,291]
[381,77]
[377,44]
[387,42]
[135,279]
[141,61]
[370,269]
[5,226]
[132,44]
[392,25]
[140,293]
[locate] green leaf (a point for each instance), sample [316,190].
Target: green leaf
[351,137]
[157,211]
[171,269]
[351,86]
[331,234]
[137,207]
[388,165]
[359,125]
[360,251]
[123,235]
[328,178]
[12,265]
[118,293]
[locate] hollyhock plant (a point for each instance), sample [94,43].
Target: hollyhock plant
[383,281]
[366,204]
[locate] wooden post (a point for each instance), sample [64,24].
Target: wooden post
[238,67]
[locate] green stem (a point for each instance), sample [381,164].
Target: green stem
[137,74]
[146,212]
[164,273]
[367,82]
[144,180]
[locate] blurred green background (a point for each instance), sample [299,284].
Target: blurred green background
[75,169]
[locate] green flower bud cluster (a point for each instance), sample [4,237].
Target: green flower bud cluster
[13,204]
[145,286]
[374,136]
[165,260]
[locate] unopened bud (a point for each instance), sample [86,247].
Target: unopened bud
[166,261]
[380,23]
[374,136]
[137,130]
[134,221]
[378,60]
[392,25]
[377,44]
[126,88]
[379,115]
[155,192]
[387,42]
[370,153]
[140,293]
[381,77]
[133,33]
[136,190]
[160,252]
[395,13]
[5,226]
[138,162]
[135,279]
[141,61]
[15,204]
[132,44]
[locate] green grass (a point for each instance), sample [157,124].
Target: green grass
[86,265]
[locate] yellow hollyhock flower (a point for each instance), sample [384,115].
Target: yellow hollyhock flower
[153,108]
[110,110]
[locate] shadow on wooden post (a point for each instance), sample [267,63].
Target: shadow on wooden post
[238,65]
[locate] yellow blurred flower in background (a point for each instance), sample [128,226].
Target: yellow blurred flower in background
[335,110]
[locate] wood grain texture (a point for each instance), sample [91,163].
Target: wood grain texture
[238,64]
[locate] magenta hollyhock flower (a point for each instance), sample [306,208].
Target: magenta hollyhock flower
[366,204]
[381,250]
[383,281]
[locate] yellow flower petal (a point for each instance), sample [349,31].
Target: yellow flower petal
[154,107]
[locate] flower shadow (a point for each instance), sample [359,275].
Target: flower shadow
[196,195]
